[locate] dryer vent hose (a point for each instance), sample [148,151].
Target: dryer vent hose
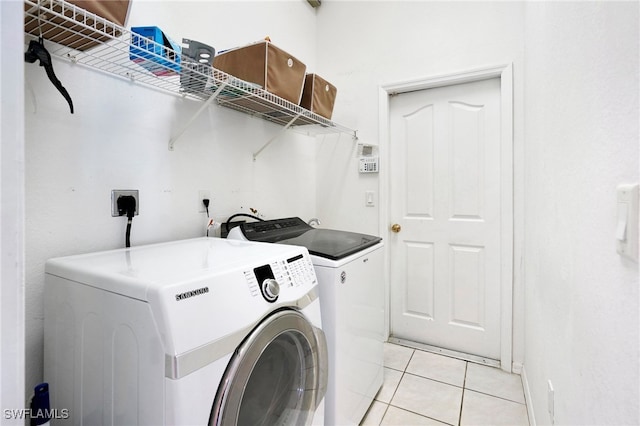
[226,224]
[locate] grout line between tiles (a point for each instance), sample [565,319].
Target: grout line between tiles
[466,369]
[396,389]
[394,369]
[464,384]
[418,414]
[413,352]
[434,380]
[384,414]
[404,371]
[495,396]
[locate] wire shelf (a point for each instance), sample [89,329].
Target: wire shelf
[84,38]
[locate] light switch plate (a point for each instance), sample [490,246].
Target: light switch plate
[627,220]
[370,199]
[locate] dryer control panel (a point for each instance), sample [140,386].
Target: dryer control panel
[292,272]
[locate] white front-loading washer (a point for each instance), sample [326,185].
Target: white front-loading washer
[192,332]
[349,268]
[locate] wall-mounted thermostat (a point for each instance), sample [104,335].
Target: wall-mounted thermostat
[367,150]
[368,165]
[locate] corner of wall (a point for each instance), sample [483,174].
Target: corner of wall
[527,396]
[12,342]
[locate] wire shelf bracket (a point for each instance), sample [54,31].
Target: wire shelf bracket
[204,106]
[276,136]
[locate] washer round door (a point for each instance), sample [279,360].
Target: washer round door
[277,376]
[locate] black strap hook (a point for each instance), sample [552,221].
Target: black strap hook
[36,51]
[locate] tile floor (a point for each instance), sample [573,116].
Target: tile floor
[422,388]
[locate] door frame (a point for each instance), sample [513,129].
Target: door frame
[505,73]
[12,228]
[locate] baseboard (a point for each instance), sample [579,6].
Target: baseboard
[527,396]
[516,367]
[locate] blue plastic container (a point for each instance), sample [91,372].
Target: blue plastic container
[154,51]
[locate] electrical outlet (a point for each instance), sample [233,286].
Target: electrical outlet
[202,194]
[117,193]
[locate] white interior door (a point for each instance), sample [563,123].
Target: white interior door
[445,193]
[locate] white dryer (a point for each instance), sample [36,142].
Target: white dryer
[201,331]
[349,267]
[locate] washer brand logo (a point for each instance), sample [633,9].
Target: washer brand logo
[188,294]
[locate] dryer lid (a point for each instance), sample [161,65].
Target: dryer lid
[328,243]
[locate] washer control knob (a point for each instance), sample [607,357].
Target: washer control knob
[270,289]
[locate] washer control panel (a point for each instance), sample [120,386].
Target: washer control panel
[271,279]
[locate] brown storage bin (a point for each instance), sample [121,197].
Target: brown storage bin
[318,95]
[275,70]
[73,35]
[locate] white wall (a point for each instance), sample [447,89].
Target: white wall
[576,139]
[362,45]
[582,132]
[118,139]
